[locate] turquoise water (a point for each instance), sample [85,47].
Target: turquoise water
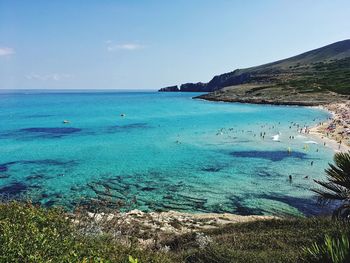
[169,151]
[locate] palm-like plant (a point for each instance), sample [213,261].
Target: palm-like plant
[337,185]
[333,250]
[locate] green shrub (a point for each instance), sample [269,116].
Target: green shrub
[32,234]
[29,233]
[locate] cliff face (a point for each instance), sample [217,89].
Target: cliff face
[323,69]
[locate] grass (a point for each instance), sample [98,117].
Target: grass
[260,241]
[30,233]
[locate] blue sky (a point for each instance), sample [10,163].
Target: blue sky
[130,44]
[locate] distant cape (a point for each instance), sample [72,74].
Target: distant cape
[323,69]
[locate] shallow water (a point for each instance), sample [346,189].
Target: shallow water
[169,151]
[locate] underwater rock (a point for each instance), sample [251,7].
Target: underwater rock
[42,132]
[269,155]
[14,189]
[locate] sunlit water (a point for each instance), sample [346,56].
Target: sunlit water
[169,151]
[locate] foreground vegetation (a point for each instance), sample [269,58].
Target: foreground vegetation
[29,233]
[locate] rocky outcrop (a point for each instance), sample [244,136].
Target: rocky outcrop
[194,87]
[172,222]
[170,88]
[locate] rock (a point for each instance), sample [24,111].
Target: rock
[135,212]
[170,88]
[194,87]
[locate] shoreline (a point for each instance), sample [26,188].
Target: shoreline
[335,132]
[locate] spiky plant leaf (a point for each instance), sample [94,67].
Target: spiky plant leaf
[337,185]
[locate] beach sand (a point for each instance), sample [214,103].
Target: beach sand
[335,133]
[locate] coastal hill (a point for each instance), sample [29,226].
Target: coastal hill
[315,77]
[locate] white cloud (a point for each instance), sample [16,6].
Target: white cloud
[6,51]
[48,77]
[125,46]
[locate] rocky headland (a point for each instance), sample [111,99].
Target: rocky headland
[316,77]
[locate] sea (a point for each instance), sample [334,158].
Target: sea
[158,152]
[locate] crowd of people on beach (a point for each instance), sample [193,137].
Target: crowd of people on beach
[338,126]
[334,133]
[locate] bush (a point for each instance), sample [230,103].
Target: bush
[33,234]
[30,233]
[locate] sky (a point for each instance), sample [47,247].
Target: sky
[150,44]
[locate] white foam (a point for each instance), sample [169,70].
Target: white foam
[311,142]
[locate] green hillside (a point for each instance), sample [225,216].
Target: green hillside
[326,69]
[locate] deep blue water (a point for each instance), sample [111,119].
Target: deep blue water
[169,151]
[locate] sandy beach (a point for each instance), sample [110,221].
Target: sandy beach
[334,133]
